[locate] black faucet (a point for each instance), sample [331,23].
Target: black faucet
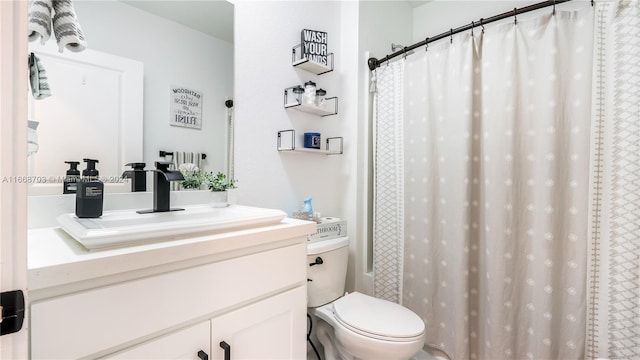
[138,176]
[162,187]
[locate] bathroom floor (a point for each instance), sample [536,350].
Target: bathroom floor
[431,355]
[422,355]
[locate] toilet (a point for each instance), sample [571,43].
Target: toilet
[355,325]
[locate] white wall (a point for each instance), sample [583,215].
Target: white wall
[265,32]
[173,55]
[383,23]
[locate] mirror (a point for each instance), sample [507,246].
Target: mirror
[180,45]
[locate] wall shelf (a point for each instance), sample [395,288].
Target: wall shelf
[308,65]
[287,143]
[294,101]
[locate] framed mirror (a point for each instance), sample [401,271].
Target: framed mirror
[177,44]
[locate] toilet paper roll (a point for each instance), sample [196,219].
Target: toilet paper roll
[329,219]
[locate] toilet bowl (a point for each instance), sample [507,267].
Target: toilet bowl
[355,325]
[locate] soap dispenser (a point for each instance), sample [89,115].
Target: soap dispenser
[70,183]
[90,192]
[306,207]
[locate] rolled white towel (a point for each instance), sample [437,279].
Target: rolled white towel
[39,20]
[66,27]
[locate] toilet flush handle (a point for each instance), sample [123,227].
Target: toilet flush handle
[318,261]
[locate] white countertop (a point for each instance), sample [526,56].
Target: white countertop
[58,264]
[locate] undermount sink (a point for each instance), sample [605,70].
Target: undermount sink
[127,227]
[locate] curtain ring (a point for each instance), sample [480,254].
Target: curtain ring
[451,35]
[554,7]
[482,25]
[472,26]
[426,43]
[404,53]
[515,16]
[593,2]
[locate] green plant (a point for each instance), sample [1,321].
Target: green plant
[193,177]
[219,182]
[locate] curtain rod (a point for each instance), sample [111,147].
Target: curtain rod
[374,63]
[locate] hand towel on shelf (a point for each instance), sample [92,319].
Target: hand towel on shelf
[38,78]
[66,27]
[39,20]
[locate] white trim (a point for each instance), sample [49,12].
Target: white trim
[13,163]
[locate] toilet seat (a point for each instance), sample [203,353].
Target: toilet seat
[377,318]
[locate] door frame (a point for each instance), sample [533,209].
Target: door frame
[13,164]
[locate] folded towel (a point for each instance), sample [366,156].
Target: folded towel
[38,78]
[66,27]
[39,21]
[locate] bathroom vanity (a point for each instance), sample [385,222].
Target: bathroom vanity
[206,295]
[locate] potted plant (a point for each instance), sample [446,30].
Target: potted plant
[193,177]
[219,186]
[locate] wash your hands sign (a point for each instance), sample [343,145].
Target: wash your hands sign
[314,46]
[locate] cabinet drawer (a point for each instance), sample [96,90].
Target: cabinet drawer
[85,323]
[181,344]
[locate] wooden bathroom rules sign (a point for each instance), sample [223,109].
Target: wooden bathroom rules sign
[186,107]
[314,46]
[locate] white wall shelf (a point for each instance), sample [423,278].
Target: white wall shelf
[287,143]
[294,101]
[311,66]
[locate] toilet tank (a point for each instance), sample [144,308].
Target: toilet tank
[326,280]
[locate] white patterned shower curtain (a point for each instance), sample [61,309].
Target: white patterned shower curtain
[613,315]
[485,232]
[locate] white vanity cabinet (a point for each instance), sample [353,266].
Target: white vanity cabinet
[190,343]
[252,296]
[267,329]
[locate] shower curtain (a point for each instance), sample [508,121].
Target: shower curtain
[613,315]
[481,184]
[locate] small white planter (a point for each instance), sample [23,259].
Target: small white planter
[218,199]
[232,196]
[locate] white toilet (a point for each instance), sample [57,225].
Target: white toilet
[355,326]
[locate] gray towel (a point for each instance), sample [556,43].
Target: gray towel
[66,27]
[39,21]
[38,78]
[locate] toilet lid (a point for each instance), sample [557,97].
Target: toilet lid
[377,316]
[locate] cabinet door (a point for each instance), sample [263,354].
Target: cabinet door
[187,343]
[274,328]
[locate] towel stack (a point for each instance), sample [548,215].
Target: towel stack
[65,24]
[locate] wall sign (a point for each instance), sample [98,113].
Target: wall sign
[314,46]
[186,107]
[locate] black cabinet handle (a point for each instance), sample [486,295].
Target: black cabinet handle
[227,350]
[203,355]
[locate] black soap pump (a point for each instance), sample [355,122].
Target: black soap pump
[70,183]
[90,193]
